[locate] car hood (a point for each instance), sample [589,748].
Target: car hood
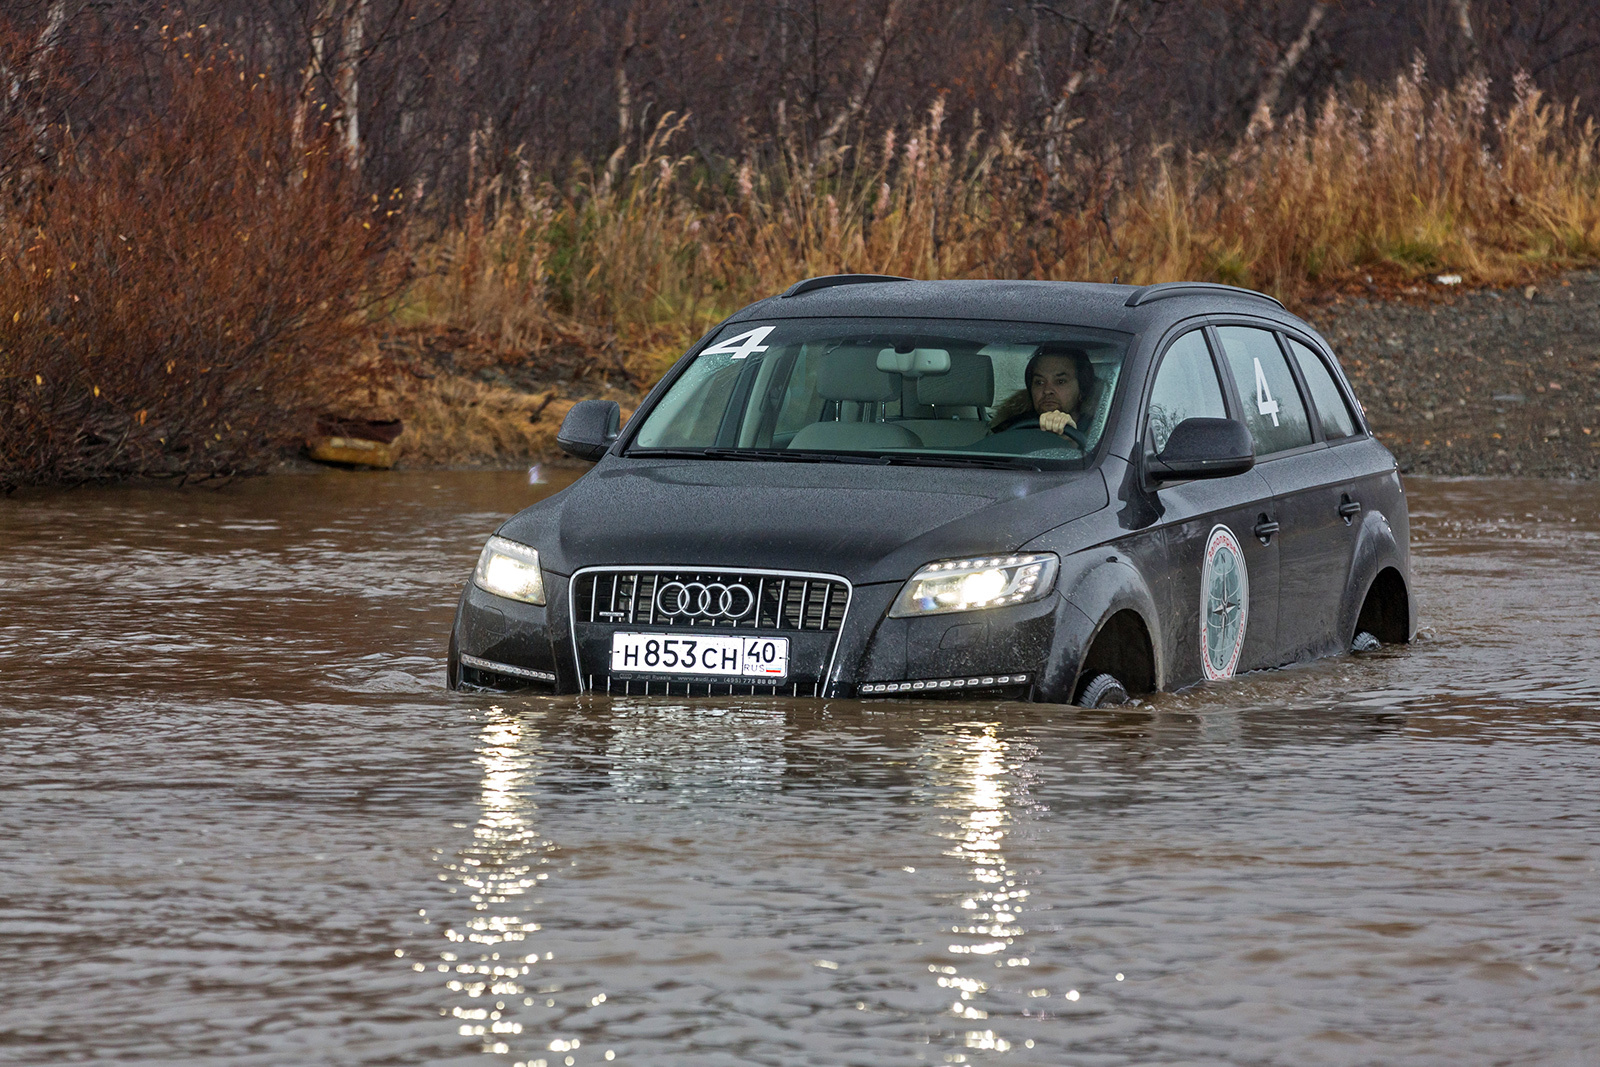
[868,523]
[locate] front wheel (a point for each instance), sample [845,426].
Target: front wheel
[1103,691]
[452,665]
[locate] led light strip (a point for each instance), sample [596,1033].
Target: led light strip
[505,668]
[923,685]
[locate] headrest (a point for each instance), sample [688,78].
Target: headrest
[915,363]
[968,383]
[849,374]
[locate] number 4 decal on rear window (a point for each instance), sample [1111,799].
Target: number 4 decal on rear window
[1264,402]
[747,344]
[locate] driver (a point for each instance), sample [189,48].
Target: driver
[1059,380]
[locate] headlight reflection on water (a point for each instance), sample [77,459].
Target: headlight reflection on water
[992,927]
[490,961]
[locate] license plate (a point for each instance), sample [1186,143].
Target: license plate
[718,657]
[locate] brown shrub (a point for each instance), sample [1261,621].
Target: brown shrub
[177,291]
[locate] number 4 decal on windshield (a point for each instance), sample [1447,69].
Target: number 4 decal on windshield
[1264,402]
[749,343]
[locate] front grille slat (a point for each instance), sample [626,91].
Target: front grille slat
[780,602]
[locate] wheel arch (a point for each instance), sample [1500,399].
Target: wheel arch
[1121,647]
[1379,591]
[1386,610]
[1109,615]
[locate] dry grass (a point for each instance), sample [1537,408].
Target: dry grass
[456,422]
[638,260]
[1404,183]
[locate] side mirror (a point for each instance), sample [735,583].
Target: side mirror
[1205,448]
[589,428]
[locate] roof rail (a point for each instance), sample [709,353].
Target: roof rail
[1145,294]
[828,281]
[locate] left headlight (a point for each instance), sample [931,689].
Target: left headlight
[508,569]
[953,585]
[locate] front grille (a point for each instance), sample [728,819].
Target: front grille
[754,600]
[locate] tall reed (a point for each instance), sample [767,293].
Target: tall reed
[1400,181]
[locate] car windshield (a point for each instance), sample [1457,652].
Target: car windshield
[933,391]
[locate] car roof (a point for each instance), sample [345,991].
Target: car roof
[1067,303]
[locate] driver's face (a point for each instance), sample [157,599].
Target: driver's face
[1054,384]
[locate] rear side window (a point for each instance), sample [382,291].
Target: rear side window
[1272,406]
[1186,387]
[1333,414]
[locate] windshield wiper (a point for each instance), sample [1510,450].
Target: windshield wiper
[790,455]
[780,455]
[912,459]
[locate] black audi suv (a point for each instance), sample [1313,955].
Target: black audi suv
[877,487]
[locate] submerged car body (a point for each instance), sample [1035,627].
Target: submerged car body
[815,502]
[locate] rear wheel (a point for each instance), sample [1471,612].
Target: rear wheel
[1365,641]
[1103,691]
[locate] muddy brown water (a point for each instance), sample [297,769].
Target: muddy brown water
[241,822]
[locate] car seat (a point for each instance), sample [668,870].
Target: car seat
[848,375]
[964,392]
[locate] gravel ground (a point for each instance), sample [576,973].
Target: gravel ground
[1479,382]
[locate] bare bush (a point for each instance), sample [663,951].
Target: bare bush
[176,290]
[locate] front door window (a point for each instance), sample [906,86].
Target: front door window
[1186,387]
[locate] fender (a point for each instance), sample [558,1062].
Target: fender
[1376,549]
[1102,584]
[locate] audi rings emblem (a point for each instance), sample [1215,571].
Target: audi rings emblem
[705,600]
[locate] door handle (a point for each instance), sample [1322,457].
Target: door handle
[1265,529]
[1348,508]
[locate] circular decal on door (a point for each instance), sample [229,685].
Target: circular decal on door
[1224,604]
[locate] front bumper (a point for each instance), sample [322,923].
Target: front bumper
[1026,651]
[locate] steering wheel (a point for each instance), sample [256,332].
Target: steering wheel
[1071,432]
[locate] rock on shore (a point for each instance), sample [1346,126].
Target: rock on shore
[1479,382]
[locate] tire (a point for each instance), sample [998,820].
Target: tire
[452,666]
[1365,642]
[1103,691]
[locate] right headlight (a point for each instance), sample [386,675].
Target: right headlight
[508,569]
[954,585]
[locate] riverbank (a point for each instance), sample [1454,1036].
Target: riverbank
[1481,382]
[1488,381]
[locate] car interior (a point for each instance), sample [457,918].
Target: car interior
[927,398]
[848,395]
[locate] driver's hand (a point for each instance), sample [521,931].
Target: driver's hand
[1056,422]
